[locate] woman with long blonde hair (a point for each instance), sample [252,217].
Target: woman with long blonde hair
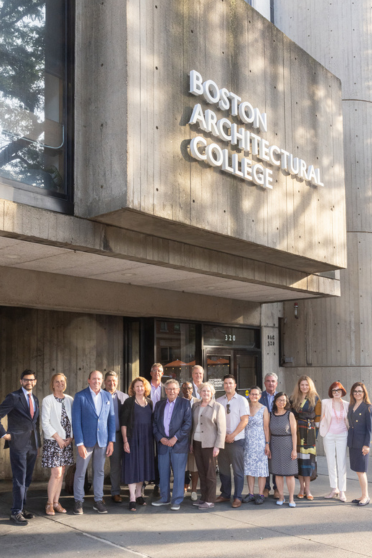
[306,407]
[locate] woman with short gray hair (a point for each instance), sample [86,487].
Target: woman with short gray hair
[207,438]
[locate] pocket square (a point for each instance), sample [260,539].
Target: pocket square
[107,402]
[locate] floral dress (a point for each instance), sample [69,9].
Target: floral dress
[307,418]
[255,460]
[53,455]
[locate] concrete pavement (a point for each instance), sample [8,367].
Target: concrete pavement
[319,528]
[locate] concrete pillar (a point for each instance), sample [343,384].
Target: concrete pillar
[339,35]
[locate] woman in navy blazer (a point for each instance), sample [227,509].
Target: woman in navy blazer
[359,437]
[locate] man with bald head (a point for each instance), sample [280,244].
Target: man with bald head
[93,423]
[197,375]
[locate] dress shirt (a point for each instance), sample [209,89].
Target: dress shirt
[27,398]
[116,409]
[270,400]
[238,408]
[168,412]
[155,394]
[97,400]
[197,394]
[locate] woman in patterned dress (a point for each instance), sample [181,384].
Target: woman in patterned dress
[256,448]
[306,407]
[57,431]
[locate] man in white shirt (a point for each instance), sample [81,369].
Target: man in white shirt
[157,394]
[237,413]
[197,374]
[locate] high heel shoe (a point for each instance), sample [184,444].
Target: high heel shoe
[49,510]
[342,497]
[58,508]
[333,494]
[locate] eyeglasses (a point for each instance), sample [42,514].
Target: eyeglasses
[336,390]
[358,391]
[171,389]
[228,409]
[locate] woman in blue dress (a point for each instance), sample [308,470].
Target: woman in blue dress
[256,447]
[136,428]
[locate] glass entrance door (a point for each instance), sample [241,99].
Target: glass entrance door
[244,365]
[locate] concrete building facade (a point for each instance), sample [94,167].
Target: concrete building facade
[170,173]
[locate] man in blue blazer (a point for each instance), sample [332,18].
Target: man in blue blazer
[93,423]
[172,425]
[23,439]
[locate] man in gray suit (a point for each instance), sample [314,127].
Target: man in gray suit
[197,374]
[118,397]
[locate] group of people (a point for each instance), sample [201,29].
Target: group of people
[162,427]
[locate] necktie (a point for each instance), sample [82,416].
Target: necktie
[31,405]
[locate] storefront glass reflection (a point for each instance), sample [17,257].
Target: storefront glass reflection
[175,349]
[32,76]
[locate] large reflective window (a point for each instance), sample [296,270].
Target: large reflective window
[32,94]
[175,349]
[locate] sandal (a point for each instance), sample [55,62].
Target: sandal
[58,508]
[49,510]
[132,506]
[141,501]
[309,497]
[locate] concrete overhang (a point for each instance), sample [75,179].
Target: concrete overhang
[35,240]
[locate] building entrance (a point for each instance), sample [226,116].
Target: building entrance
[241,363]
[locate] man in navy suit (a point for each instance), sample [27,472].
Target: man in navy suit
[267,399]
[23,439]
[93,423]
[172,425]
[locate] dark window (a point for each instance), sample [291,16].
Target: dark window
[35,94]
[175,347]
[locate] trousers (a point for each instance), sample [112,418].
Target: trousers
[99,457]
[22,463]
[232,456]
[206,465]
[115,464]
[335,450]
[178,463]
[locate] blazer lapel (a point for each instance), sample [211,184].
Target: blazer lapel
[90,399]
[22,398]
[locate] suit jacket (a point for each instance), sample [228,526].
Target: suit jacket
[20,425]
[89,428]
[180,425]
[325,421]
[194,393]
[264,400]
[359,433]
[121,398]
[213,424]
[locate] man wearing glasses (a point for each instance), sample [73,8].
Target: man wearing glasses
[23,439]
[237,412]
[171,426]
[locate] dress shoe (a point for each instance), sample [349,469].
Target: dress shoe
[236,503]
[27,515]
[266,492]
[18,519]
[221,499]
[276,494]
[117,499]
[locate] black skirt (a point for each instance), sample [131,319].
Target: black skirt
[358,461]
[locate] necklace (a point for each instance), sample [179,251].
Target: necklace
[140,404]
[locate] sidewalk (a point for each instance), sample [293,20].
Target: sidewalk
[321,528]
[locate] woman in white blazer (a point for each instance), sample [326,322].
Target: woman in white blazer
[57,430]
[333,428]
